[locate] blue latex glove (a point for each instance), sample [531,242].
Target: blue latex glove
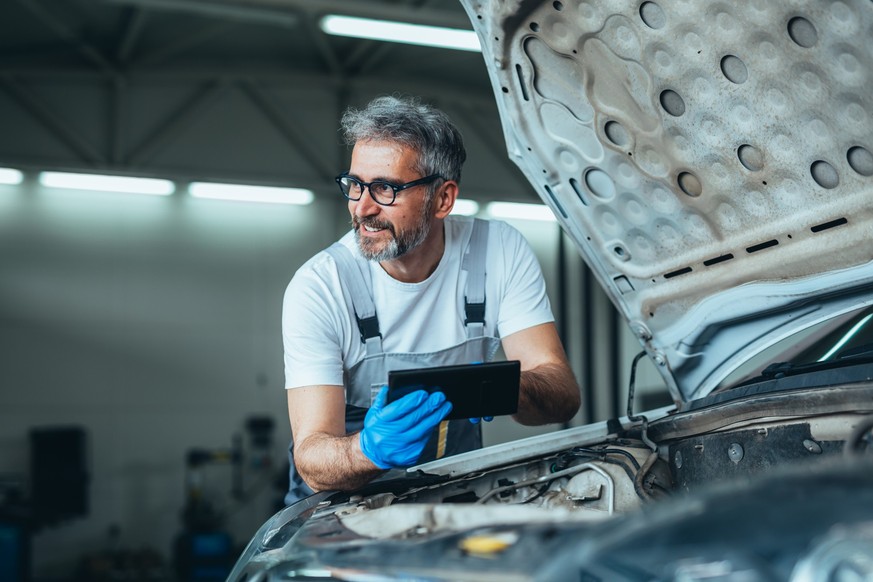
[394,435]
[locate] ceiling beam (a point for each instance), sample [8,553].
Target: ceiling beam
[298,141]
[218,9]
[274,75]
[377,10]
[51,121]
[185,42]
[67,35]
[117,120]
[323,47]
[379,54]
[132,31]
[360,52]
[27,53]
[177,121]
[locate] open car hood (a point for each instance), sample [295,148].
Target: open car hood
[714,167]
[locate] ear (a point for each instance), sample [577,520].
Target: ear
[444,199]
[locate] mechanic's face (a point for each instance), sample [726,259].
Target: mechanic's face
[388,232]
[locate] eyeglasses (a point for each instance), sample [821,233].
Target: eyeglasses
[381,192]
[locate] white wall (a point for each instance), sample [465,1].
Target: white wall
[154,323]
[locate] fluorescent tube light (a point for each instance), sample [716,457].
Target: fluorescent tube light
[403,32]
[10,176]
[520,211]
[104,183]
[246,193]
[465,207]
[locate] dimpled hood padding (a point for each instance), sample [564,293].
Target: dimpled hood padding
[712,161]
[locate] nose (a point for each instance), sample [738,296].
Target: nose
[366,206]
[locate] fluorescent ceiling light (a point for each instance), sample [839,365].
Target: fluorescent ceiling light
[246,193]
[386,30]
[103,183]
[515,210]
[465,207]
[10,176]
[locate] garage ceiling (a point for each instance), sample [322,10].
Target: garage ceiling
[226,90]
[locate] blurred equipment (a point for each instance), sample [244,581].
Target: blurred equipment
[14,547]
[116,563]
[58,492]
[58,474]
[204,551]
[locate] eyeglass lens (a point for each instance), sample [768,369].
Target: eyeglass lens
[382,192]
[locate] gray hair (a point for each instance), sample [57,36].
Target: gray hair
[407,121]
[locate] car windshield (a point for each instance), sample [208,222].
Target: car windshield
[842,341]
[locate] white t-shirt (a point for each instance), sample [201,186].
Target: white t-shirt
[321,336]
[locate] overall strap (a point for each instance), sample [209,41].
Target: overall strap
[355,275]
[474,264]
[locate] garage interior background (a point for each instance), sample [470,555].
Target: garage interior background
[152,323]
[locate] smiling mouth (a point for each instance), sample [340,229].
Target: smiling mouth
[373,226]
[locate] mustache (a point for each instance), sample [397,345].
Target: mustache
[372,222]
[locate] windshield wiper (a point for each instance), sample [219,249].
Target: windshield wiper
[865,351]
[849,357]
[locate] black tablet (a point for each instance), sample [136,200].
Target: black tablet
[475,390]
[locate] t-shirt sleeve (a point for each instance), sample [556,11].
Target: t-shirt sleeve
[310,323]
[524,300]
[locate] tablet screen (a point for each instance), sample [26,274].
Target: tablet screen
[475,390]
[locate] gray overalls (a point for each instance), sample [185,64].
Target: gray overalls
[364,380]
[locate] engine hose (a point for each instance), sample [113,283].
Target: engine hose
[641,475]
[855,441]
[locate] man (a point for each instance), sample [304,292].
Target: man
[408,287]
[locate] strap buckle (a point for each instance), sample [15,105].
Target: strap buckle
[369,327]
[475,312]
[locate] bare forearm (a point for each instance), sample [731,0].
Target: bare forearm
[548,393]
[331,462]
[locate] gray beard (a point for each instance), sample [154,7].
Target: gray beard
[398,245]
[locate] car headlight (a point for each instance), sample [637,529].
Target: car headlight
[276,532]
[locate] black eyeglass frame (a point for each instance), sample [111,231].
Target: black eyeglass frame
[395,188]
